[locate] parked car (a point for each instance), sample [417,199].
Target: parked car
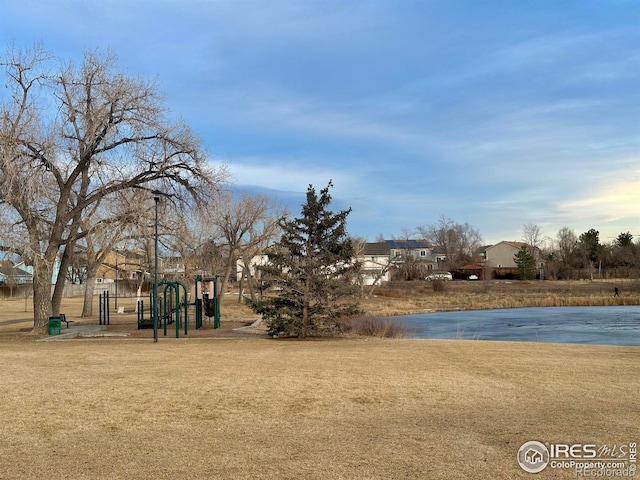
[439,276]
[473,277]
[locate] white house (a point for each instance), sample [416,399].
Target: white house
[375,260]
[256,261]
[430,256]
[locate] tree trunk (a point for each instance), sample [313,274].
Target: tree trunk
[376,281]
[42,297]
[87,306]
[240,287]
[252,286]
[224,279]
[304,331]
[246,272]
[138,295]
[372,287]
[58,291]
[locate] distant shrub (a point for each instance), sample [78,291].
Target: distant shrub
[632,287]
[438,285]
[380,327]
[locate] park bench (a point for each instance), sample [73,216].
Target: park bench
[63,318]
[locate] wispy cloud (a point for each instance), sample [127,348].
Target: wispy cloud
[492,115]
[293,175]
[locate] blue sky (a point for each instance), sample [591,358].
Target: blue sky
[495,113]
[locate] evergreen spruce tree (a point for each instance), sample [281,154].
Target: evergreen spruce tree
[312,269]
[526,263]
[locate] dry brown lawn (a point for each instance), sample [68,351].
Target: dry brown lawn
[418,297]
[274,409]
[256,408]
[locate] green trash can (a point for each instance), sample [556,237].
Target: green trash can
[54,325]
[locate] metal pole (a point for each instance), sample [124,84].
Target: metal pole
[216,302]
[198,302]
[175,286]
[156,198]
[116,279]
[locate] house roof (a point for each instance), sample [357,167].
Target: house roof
[513,244]
[377,248]
[13,273]
[406,244]
[518,244]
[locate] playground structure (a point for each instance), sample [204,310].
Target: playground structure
[173,305]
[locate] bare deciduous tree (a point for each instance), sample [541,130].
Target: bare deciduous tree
[244,224]
[459,240]
[71,136]
[532,236]
[406,265]
[102,227]
[535,240]
[567,244]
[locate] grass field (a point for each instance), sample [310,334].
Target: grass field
[418,297]
[265,409]
[256,408]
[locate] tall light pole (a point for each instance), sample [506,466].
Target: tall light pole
[156,199]
[116,279]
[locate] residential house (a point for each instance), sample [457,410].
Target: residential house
[256,261]
[401,251]
[122,264]
[499,259]
[14,274]
[173,266]
[405,250]
[375,259]
[14,277]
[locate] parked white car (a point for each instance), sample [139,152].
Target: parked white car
[473,277]
[439,276]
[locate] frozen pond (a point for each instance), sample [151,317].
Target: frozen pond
[589,325]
